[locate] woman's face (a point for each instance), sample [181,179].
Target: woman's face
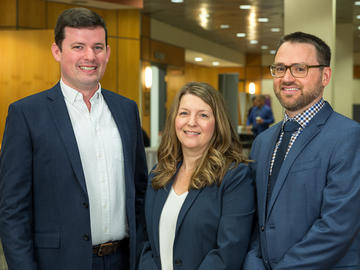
[194,124]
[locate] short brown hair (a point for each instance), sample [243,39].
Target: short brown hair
[77,18]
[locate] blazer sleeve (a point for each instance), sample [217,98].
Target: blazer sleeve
[146,261]
[253,259]
[330,236]
[236,221]
[140,185]
[16,228]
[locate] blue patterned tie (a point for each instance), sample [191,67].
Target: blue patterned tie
[289,128]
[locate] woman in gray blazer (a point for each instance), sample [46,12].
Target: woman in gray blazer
[200,199]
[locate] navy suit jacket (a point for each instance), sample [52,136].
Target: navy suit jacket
[44,205]
[213,227]
[312,220]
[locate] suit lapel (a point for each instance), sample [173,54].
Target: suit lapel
[310,131]
[61,116]
[190,198]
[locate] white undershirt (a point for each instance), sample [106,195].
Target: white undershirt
[167,226]
[102,159]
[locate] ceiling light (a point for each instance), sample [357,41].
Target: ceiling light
[245,7]
[241,35]
[224,26]
[272,52]
[215,63]
[357,3]
[358,17]
[203,16]
[275,29]
[198,59]
[264,47]
[263,19]
[254,41]
[177,1]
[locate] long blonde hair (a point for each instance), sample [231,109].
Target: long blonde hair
[224,147]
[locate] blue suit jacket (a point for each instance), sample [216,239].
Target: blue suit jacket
[313,217]
[44,205]
[213,227]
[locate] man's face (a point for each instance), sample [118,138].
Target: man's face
[83,57]
[298,94]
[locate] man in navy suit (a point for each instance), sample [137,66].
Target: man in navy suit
[72,165]
[307,170]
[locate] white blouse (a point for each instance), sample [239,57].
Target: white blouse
[167,226]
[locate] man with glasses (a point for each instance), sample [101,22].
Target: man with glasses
[307,170]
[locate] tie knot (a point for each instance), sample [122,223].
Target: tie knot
[291,126]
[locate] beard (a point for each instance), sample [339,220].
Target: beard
[302,101]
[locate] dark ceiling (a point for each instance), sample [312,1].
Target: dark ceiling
[186,16]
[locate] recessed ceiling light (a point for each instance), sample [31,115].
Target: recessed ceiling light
[241,35]
[224,26]
[275,29]
[272,52]
[177,1]
[358,17]
[264,47]
[357,3]
[263,19]
[215,63]
[245,6]
[198,59]
[254,41]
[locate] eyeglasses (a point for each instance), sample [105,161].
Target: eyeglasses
[297,70]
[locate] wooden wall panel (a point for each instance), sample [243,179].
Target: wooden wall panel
[8,13]
[253,59]
[253,72]
[129,23]
[109,81]
[164,53]
[176,78]
[128,74]
[32,14]
[356,73]
[21,71]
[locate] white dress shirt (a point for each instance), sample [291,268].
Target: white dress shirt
[167,227]
[102,159]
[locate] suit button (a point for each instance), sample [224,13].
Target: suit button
[86,237]
[178,262]
[262,228]
[85,204]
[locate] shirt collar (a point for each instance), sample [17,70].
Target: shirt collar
[304,117]
[73,95]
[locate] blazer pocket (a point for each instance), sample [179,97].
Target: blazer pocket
[47,240]
[307,165]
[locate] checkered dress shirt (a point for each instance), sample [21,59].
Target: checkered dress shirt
[303,119]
